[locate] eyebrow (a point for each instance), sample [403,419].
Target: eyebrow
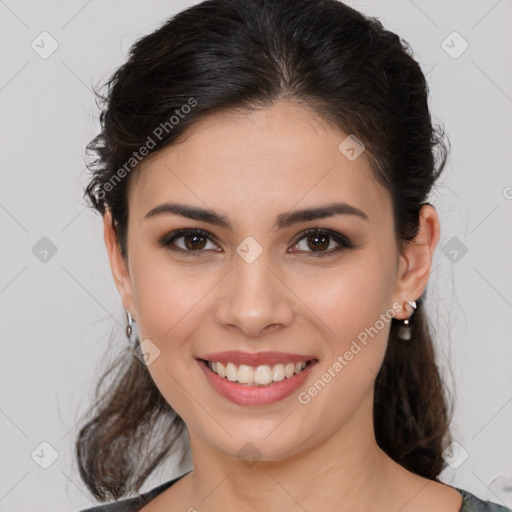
[282,221]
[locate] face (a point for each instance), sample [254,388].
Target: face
[321,289]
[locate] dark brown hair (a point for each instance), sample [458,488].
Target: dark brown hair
[247,54]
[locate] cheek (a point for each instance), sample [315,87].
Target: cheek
[354,305]
[168,300]
[169,306]
[350,298]
[358,316]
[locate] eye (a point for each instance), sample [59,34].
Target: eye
[320,240]
[196,241]
[193,241]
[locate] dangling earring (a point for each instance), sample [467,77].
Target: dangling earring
[404,333]
[129,328]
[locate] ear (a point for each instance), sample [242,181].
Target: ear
[415,260]
[117,263]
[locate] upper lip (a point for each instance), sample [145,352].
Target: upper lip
[256,359]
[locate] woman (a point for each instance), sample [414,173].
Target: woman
[262,173]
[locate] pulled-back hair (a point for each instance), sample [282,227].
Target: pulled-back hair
[223,55]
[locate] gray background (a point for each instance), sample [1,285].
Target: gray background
[57,315]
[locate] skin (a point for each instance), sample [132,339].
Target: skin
[251,168]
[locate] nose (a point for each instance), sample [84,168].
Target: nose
[254,299]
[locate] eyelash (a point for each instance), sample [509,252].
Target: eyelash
[342,240]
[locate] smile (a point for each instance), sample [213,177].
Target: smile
[256,384]
[262,375]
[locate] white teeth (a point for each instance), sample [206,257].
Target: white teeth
[231,372]
[245,374]
[221,370]
[261,375]
[289,370]
[278,372]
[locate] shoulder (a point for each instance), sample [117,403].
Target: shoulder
[471,503]
[133,504]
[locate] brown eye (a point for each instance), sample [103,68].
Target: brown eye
[194,242]
[191,241]
[318,241]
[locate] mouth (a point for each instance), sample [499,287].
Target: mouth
[261,376]
[270,378]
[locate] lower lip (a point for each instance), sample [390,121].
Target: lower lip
[255,395]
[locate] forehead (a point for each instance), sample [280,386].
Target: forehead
[266,160]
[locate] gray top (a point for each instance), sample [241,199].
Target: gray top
[470,502]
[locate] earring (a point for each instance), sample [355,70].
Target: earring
[129,328]
[404,332]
